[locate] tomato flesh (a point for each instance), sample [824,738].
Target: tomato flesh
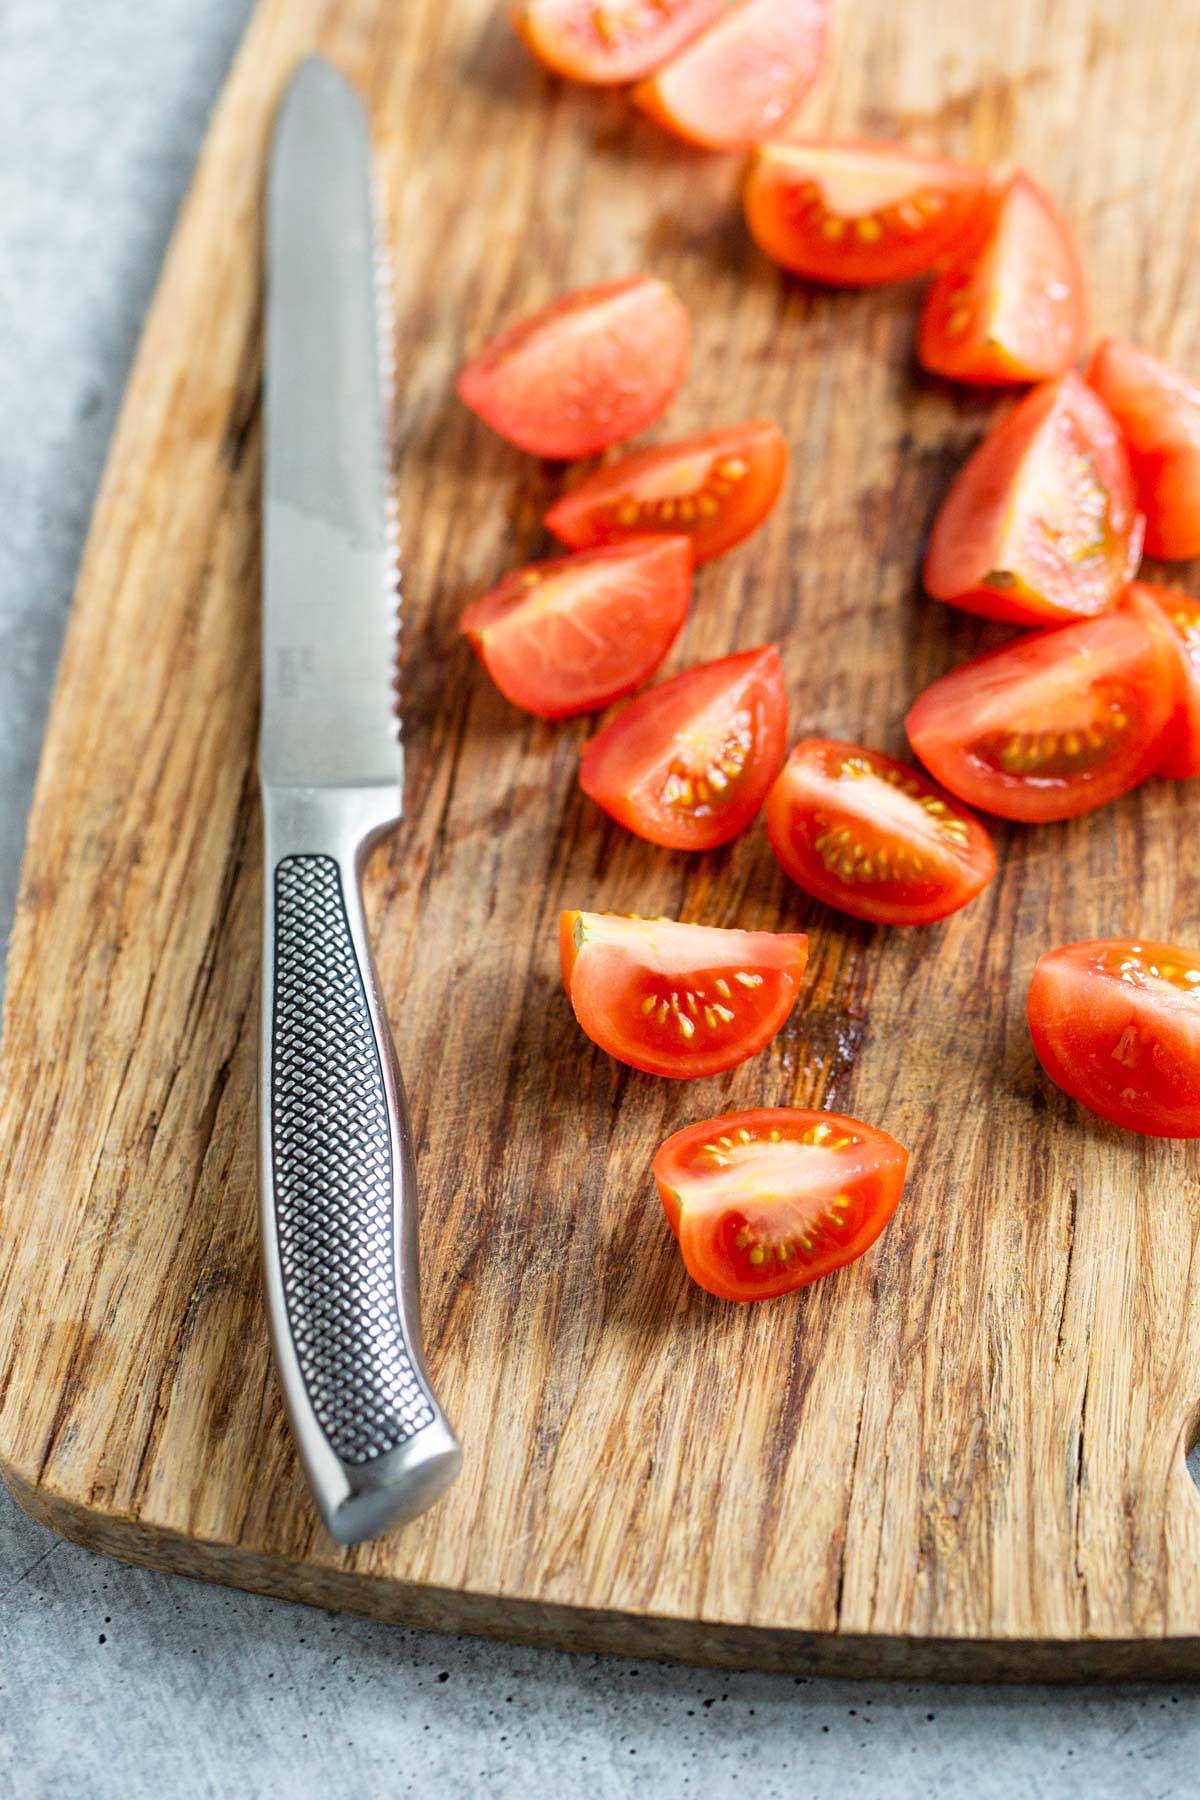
[1009,305]
[674,999]
[605,41]
[1058,722]
[764,1202]
[875,837]
[1117,1025]
[1158,409]
[591,368]
[570,635]
[688,764]
[1182,614]
[743,77]
[717,487]
[1041,524]
[854,213]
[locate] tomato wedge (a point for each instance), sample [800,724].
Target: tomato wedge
[569,635]
[875,837]
[1158,409]
[1057,723]
[673,999]
[717,488]
[1182,614]
[742,77]
[584,372]
[608,41]
[855,213]
[766,1201]
[1009,304]
[688,763]
[1041,524]
[1117,1025]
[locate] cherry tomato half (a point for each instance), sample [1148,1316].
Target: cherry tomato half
[743,77]
[673,999]
[569,635]
[1182,614]
[1117,1026]
[717,488]
[688,763]
[584,372]
[1009,305]
[609,40]
[1158,409]
[1058,722]
[854,213]
[1041,523]
[875,837]
[764,1202]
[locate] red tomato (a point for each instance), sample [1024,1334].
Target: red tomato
[672,999]
[1182,614]
[1041,523]
[569,635]
[1056,723]
[743,77]
[585,372]
[688,764]
[875,837]
[1117,1026]
[716,487]
[766,1201]
[609,40]
[1009,305]
[856,213]
[1158,409]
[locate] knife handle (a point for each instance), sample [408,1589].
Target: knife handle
[337,1183]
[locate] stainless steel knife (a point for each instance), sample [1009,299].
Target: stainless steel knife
[338,1196]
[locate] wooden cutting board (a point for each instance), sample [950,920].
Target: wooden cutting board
[963,1455]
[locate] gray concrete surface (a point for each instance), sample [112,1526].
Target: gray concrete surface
[116,1682]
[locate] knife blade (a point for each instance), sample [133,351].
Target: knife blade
[336,1175]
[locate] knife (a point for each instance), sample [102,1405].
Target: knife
[337,1190]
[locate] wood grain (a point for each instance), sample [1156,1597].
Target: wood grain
[964,1455]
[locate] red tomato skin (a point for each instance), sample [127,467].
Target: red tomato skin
[786,212]
[1124,1051]
[743,77]
[592,970]
[1046,327]
[745,470]
[650,578]
[1158,409]
[878,1181]
[1182,614]
[802,810]
[562,34]
[556,391]
[972,563]
[1130,643]
[620,763]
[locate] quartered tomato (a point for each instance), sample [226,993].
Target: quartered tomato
[1182,614]
[609,40]
[1117,1026]
[1009,305]
[716,487]
[569,635]
[681,1000]
[585,372]
[1056,723]
[743,77]
[875,837]
[1158,409]
[688,764]
[766,1201]
[855,213]
[1041,523]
